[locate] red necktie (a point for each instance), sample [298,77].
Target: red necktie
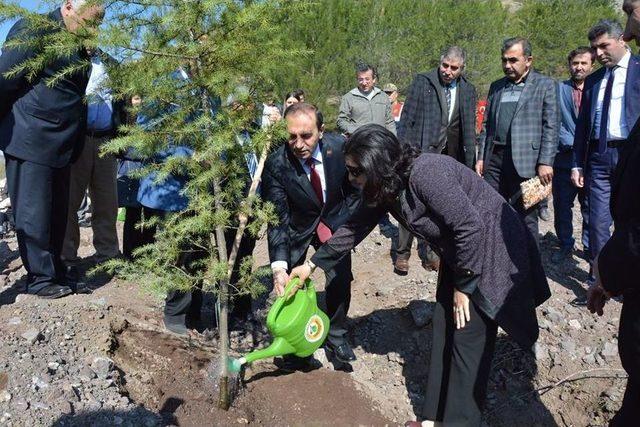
[323,232]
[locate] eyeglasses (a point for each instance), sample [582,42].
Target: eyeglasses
[354,171]
[389,92]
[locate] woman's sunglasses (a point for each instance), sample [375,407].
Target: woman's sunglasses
[354,171]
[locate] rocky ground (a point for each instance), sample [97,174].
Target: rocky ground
[103,359]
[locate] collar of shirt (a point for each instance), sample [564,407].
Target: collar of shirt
[452,85]
[624,62]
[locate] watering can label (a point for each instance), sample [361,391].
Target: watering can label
[314,329]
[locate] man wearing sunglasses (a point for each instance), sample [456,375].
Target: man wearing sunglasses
[439,117]
[306,180]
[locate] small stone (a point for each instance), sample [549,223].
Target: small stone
[542,352]
[53,366]
[102,366]
[609,351]
[589,359]
[86,374]
[40,382]
[575,324]
[568,345]
[20,404]
[5,396]
[5,417]
[65,407]
[39,405]
[98,303]
[553,315]
[14,321]
[32,335]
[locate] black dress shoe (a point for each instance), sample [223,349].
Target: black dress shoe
[342,352]
[54,291]
[72,280]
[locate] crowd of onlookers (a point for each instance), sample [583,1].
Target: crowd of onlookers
[455,186]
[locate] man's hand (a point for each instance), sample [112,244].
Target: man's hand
[596,298]
[480,167]
[280,279]
[577,178]
[302,272]
[545,173]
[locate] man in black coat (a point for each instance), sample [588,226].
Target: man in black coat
[41,130]
[616,267]
[439,116]
[306,181]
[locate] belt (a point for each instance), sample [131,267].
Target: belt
[98,133]
[614,143]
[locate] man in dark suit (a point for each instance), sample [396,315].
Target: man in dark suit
[439,116]
[610,107]
[306,180]
[616,267]
[519,134]
[580,63]
[41,133]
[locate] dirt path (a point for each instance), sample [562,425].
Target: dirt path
[103,359]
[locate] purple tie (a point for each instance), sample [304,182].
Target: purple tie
[604,116]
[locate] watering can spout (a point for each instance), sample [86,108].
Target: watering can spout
[279,347]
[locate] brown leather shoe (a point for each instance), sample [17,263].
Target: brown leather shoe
[431,265]
[401,266]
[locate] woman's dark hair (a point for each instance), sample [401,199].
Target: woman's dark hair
[383,159]
[293,94]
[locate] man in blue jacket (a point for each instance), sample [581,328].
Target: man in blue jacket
[41,133]
[564,192]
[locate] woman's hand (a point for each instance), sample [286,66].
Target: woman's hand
[461,314]
[302,272]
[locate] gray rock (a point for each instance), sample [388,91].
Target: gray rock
[98,302]
[609,351]
[553,315]
[40,406]
[5,417]
[86,374]
[575,324]
[20,404]
[14,321]
[5,396]
[102,366]
[421,312]
[568,345]
[32,335]
[53,366]
[541,351]
[40,382]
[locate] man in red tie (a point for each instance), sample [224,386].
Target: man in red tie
[306,180]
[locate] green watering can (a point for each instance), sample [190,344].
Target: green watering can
[298,326]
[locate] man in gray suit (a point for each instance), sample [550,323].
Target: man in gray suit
[519,134]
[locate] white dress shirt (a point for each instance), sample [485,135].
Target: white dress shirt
[452,104]
[319,166]
[617,127]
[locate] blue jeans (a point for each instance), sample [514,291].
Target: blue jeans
[564,195]
[600,169]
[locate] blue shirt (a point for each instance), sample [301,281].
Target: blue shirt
[99,98]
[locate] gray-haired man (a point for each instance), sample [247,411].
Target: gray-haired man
[438,116]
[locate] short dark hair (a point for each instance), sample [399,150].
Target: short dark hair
[511,42]
[605,26]
[384,161]
[298,93]
[362,67]
[303,107]
[581,50]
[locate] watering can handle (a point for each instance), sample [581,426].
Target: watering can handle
[279,302]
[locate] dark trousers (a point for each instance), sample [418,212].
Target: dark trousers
[405,241]
[132,237]
[337,298]
[40,200]
[501,174]
[598,175]
[460,361]
[564,194]
[629,348]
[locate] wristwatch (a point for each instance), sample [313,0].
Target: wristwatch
[311,265]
